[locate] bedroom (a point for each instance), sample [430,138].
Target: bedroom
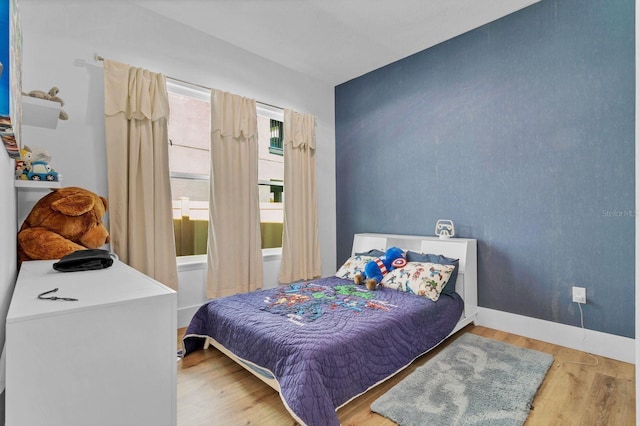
[59,51]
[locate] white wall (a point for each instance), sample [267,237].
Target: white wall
[7,248]
[192,275]
[60,39]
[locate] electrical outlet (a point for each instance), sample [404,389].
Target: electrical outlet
[579,294]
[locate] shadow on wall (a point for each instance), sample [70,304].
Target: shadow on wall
[507,288]
[494,281]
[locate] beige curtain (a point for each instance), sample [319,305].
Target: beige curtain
[300,246]
[234,249]
[136,109]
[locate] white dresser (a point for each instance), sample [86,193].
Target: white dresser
[107,359]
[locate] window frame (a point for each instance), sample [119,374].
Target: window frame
[263,110]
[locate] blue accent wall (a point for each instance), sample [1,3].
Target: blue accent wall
[5,46]
[522,132]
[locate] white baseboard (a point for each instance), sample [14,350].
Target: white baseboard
[595,342]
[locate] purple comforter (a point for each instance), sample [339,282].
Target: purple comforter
[325,341]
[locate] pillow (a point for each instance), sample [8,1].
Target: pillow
[372,252]
[352,266]
[450,288]
[424,279]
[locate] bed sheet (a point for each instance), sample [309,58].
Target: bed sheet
[325,341]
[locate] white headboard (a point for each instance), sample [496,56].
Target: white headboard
[464,249]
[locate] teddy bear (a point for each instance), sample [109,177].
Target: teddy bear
[63,221]
[51,95]
[376,268]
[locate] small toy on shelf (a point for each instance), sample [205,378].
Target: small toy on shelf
[34,165]
[20,170]
[52,95]
[26,156]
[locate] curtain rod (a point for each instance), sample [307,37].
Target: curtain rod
[99,58]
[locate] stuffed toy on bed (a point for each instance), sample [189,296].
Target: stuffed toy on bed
[376,268]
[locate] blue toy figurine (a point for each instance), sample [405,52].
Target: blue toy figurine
[376,268]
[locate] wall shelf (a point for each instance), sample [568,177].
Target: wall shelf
[37,184]
[40,112]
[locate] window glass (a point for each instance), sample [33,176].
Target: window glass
[189,140]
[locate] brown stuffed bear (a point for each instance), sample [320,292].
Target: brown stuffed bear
[66,220]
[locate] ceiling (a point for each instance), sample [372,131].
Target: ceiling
[334,40]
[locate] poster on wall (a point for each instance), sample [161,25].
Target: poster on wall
[10,77]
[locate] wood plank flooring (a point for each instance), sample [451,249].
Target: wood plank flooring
[213,390]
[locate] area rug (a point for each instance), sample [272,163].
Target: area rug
[473,381]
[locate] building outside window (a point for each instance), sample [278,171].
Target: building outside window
[275,140]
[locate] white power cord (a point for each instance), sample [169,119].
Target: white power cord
[584,336]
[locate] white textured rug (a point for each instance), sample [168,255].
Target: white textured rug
[473,381]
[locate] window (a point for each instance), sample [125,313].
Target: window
[189,141]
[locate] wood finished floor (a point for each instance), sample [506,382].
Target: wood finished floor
[213,390]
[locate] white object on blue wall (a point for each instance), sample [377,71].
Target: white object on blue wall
[445,228]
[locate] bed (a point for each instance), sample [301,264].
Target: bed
[323,342]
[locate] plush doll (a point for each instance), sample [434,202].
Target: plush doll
[61,222]
[376,268]
[26,155]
